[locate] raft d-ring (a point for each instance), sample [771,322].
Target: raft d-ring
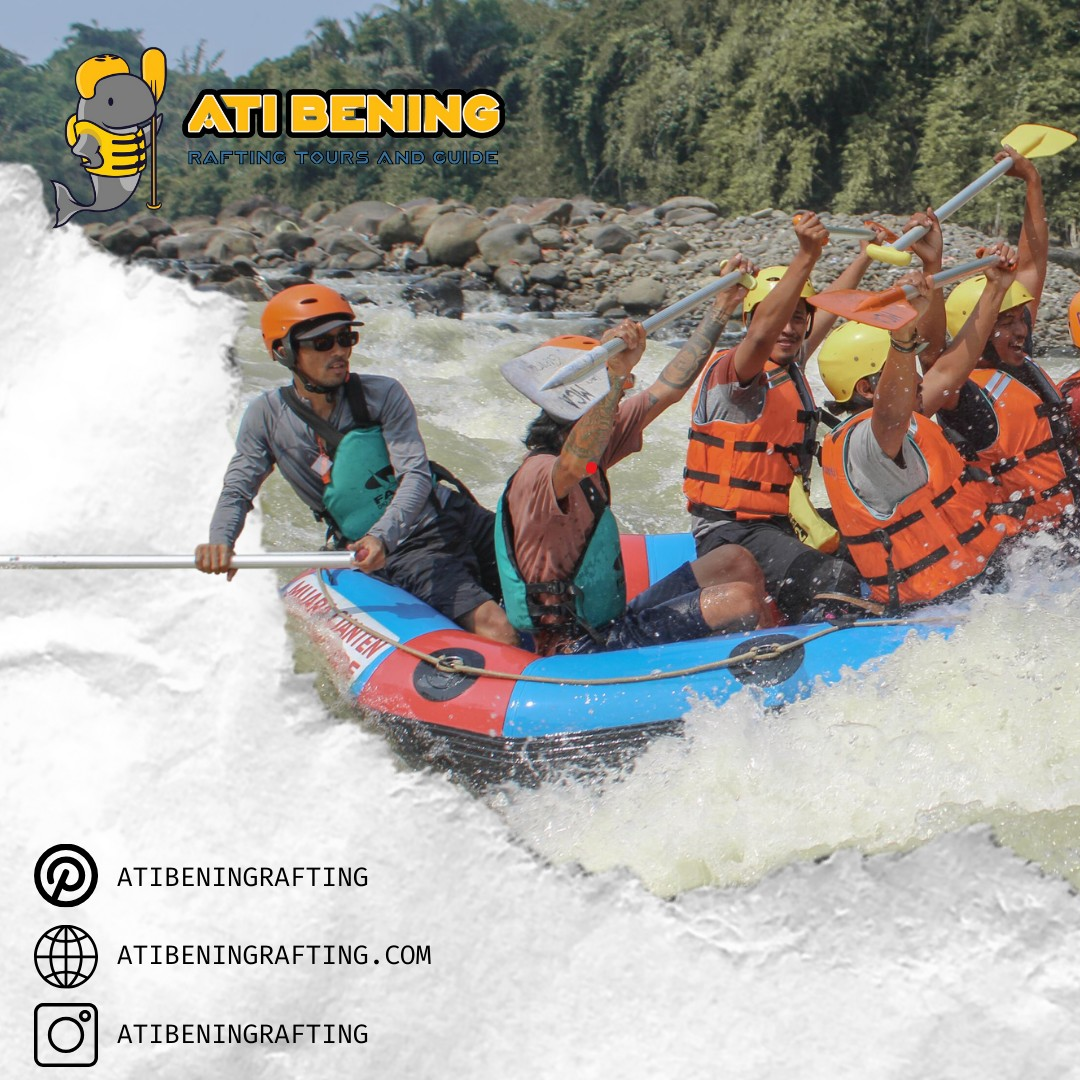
[444,681]
[762,666]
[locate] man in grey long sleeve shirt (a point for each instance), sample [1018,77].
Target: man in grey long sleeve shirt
[376,478]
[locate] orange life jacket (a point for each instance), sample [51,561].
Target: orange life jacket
[748,469]
[1070,391]
[936,539]
[1024,456]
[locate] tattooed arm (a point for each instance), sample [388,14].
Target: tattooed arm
[684,368]
[589,437]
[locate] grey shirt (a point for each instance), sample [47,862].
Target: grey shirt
[272,434]
[879,481]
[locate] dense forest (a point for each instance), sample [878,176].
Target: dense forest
[855,106]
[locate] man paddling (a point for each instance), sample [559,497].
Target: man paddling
[559,554]
[351,449]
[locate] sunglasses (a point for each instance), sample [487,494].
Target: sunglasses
[325,342]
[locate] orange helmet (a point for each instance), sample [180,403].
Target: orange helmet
[1074,319]
[295,306]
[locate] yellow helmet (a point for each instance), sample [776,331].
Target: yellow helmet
[764,284]
[962,300]
[851,352]
[92,71]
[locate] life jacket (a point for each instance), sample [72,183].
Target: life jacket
[1069,389]
[1013,442]
[361,483]
[747,469]
[123,153]
[593,595]
[935,540]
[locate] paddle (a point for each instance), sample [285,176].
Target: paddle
[890,308]
[153,74]
[852,230]
[542,375]
[1028,140]
[287,560]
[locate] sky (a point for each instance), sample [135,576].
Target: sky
[244,32]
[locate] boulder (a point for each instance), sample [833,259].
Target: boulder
[549,212]
[687,202]
[226,244]
[642,295]
[451,238]
[397,229]
[509,244]
[552,274]
[608,238]
[124,238]
[509,280]
[362,217]
[439,294]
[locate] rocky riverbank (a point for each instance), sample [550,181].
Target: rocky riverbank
[539,255]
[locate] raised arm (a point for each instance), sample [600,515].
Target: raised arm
[681,372]
[897,394]
[955,366]
[1035,232]
[589,437]
[775,311]
[933,325]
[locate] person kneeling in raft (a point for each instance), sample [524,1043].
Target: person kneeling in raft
[559,558]
[920,524]
[351,448]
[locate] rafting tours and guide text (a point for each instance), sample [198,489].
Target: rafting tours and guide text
[77,1033]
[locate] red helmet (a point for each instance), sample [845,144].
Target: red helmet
[296,305]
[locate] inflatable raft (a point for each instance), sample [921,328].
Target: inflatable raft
[526,716]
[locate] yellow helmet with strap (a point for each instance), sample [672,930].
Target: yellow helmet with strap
[851,352]
[764,283]
[962,300]
[92,71]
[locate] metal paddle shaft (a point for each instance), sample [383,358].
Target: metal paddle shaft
[588,362]
[1028,140]
[288,560]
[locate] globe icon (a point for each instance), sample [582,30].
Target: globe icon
[65,956]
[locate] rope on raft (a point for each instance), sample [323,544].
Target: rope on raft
[453,665]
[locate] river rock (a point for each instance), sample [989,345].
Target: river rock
[553,274]
[227,244]
[362,217]
[642,295]
[439,294]
[124,238]
[509,244]
[451,238]
[510,280]
[687,202]
[549,212]
[396,229]
[608,238]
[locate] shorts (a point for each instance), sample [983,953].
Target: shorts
[665,612]
[794,573]
[450,563]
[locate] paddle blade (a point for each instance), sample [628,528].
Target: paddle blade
[529,373]
[153,71]
[870,308]
[1038,140]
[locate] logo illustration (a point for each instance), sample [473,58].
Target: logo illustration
[65,956]
[65,1035]
[114,123]
[66,875]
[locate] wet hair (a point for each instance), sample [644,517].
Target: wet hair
[546,433]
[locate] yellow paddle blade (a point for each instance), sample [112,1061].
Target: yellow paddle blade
[153,72]
[1038,140]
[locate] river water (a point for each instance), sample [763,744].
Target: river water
[876,882]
